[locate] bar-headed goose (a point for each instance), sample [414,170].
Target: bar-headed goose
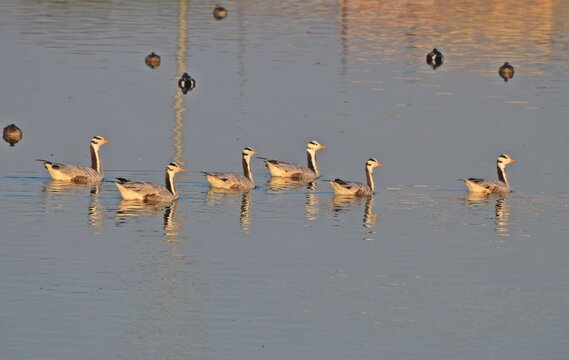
[149,192]
[487,186]
[226,180]
[284,169]
[342,187]
[79,174]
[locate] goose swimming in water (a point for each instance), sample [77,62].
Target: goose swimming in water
[435,58]
[487,186]
[284,169]
[79,174]
[342,187]
[186,83]
[149,192]
[506,71]
[227,180]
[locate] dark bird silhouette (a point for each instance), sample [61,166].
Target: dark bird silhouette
[152,60]
[506,71]
[12,134]
[186,83]
[219,12]
[435,58]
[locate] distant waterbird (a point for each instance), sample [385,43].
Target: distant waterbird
[228,180]
[186,83]
[487,186]
[506,71]
[435,58]
[152,60]
[278,168]
[12,134]
[354,188]
[79,174]
[219,12]
[149,192]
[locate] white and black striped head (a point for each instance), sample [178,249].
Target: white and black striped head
[173,168]
[186,83]
[248,152]
[314,146]
[98,140]
[373,163]
[504,160]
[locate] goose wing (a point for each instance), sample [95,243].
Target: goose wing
[350,187]
[75,173]
[227,180]
[145,190]
[482,185]
[287,169]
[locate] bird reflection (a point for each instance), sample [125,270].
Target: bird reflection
[215,196]
[95,213]
[312,204]
[341,203]
[134,209]
[280,184]
[501,209]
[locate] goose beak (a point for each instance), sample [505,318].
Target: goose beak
[379,164]
[106,141]
[253,153]
[323,146]
[182,169]
[514,161]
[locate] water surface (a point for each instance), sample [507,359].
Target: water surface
[419,271]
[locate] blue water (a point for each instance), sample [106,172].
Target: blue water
[419,271]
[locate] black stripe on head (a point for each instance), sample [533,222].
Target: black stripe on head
[173,164]
[313,142]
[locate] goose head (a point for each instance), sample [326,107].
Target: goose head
[248,152]
[504,160]
[98,140]
[314,146]
[174,168]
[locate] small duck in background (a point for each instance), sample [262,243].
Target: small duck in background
[152,60]
[12,134]
[435,58]
[219,12]
[506,71]
[186,83]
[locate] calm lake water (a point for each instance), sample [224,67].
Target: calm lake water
[419,271]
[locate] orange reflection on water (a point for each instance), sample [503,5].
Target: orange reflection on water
[468,32]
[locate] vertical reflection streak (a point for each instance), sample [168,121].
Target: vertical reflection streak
[179,108]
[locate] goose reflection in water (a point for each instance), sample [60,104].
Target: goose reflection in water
[312,204]
[341,204]
[280,184]
[66,190]
[128,209]
[215,197]
[501,210]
